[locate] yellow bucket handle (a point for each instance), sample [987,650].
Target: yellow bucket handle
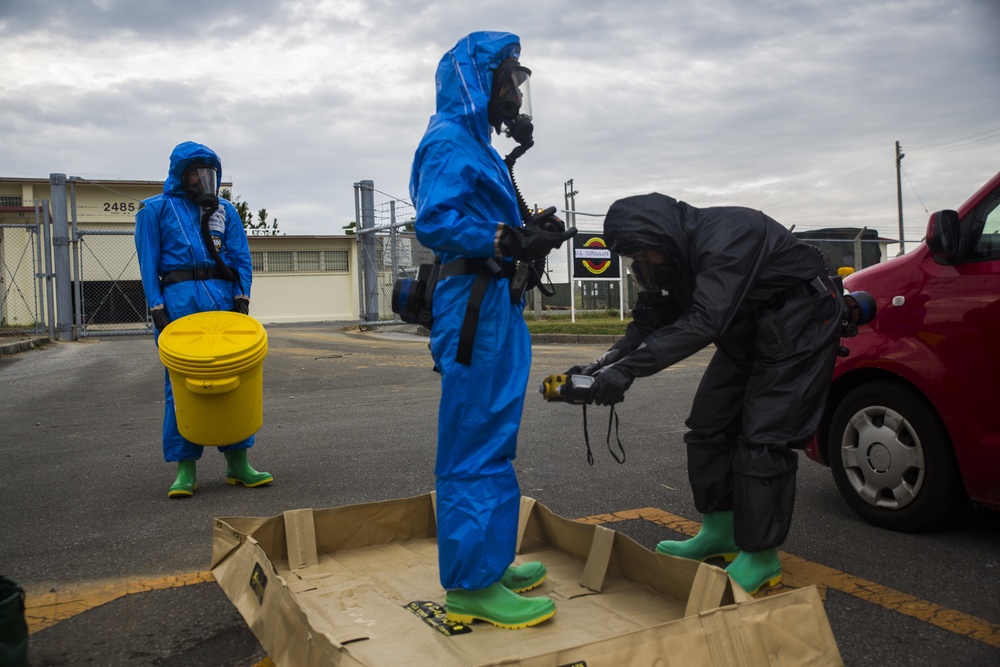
[212,386]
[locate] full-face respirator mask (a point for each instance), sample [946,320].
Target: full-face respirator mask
[200,183]
[510,102]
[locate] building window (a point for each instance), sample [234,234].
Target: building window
[336,260]
[279,261]
[300,261]
[6,200]
[306,261]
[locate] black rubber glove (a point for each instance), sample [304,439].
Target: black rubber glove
[241,304]
[160,318]
[610,385]
[609,357]
[544,233]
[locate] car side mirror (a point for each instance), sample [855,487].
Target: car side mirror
[942,235]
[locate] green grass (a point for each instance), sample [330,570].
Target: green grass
[586,324]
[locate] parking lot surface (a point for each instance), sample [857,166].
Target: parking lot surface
[116,573]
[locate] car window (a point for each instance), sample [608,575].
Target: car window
[987,246]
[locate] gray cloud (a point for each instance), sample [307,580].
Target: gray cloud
[792,107]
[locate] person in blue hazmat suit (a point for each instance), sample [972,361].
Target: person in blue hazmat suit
[736,278]
[194,257]
[470,214]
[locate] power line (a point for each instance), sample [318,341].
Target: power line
[914,190]
[972,138]
[825,176]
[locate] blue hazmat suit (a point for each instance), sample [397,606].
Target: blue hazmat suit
[463,196]
[168,238]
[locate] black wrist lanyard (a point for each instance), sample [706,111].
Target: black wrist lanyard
[612,417]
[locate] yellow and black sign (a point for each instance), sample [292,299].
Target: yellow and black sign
[592,260]
[435,616]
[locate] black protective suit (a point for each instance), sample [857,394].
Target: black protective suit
[738,279]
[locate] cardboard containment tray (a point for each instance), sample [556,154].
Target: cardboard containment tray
[358,586]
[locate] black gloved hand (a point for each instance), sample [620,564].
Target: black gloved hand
[547,220]
[241,304]
[160,318]
[609,357]
[610,385]
[544,233]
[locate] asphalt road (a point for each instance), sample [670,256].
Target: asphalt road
[349,418]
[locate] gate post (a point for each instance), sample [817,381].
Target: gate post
[60,251]
[369,248]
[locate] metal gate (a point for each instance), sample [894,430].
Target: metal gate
[22,283]
[387,249]
[107,288]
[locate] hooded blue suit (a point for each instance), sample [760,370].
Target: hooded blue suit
[168,238]
[463,196]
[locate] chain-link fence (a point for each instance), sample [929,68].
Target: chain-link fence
[107,287]
[21,303]
[388,250]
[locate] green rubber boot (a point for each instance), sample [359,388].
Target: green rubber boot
[754,569]
[184,485]
[238,471]
[524,577]
[713,540]
[498,605]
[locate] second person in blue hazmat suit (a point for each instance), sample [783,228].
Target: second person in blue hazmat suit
[470,214]
[194,257]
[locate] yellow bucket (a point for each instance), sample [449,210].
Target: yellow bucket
[215,361]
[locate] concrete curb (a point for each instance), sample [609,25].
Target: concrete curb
[15,346]
[574,339]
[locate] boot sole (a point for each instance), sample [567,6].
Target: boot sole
[530,586]
[730,556]
[767,583]
[233,480]
[182,493]
[469,619]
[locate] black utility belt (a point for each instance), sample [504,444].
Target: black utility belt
[473,266]
[413,300]
[183,275]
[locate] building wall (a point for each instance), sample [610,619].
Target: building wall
[292,284]
[296,278]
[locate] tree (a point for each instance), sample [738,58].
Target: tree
[260,227]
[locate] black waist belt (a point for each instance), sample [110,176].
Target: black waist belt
[485,269]
[182,275]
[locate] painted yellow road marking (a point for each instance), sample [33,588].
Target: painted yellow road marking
[43,611]
[799,572]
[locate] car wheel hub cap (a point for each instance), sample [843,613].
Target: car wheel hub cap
[879,457]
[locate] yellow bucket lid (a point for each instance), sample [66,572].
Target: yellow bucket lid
[213,342]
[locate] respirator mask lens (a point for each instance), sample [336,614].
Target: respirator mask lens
[200,181]
[644,275]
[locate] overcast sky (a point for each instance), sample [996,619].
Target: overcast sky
[789,106]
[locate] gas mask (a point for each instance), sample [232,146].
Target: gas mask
[510,101]
[200,183]
[650,272]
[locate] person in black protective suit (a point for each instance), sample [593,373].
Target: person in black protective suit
[193,257]
[736,278]
[469,213]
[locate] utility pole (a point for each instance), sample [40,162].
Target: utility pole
[569,194]
[899,199]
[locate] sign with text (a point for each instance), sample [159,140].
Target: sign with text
[592,260]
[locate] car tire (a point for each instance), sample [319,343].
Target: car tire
[892,459]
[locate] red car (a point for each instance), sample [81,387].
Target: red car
[911,428]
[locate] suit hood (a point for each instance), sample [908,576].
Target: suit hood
[464,78]
[183,156]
